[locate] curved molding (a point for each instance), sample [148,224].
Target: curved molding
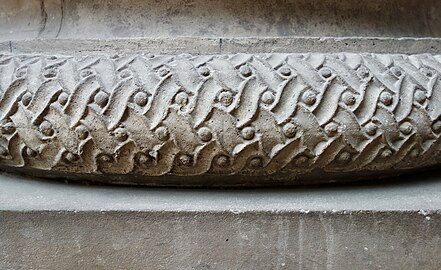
[286,115]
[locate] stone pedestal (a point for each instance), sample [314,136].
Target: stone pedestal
[54,225]
[220,93]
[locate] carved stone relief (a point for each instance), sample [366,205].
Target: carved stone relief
[225,115]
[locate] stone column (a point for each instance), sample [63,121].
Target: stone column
[220,93]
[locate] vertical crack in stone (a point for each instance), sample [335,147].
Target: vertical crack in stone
[62,18]
[43,18]
[220,44]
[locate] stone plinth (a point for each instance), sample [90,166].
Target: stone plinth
[54,225]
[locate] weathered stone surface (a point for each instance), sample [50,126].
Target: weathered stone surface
[219,93]
[294,117]
[222,45]
[102,19]
[112,104]
[52,225]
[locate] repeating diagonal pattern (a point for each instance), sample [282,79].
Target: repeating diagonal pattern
[220,114]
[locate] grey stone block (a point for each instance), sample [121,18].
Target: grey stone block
[36,19]
[54,225]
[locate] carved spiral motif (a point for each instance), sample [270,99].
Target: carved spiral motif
[220,114]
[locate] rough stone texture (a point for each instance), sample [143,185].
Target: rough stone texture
[131,90]
[51,225]
[107,87]
[294,117]
[204,45]
[33,19]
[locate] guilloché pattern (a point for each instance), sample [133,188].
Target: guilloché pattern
[239,114]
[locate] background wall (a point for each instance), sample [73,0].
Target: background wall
[28,19]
